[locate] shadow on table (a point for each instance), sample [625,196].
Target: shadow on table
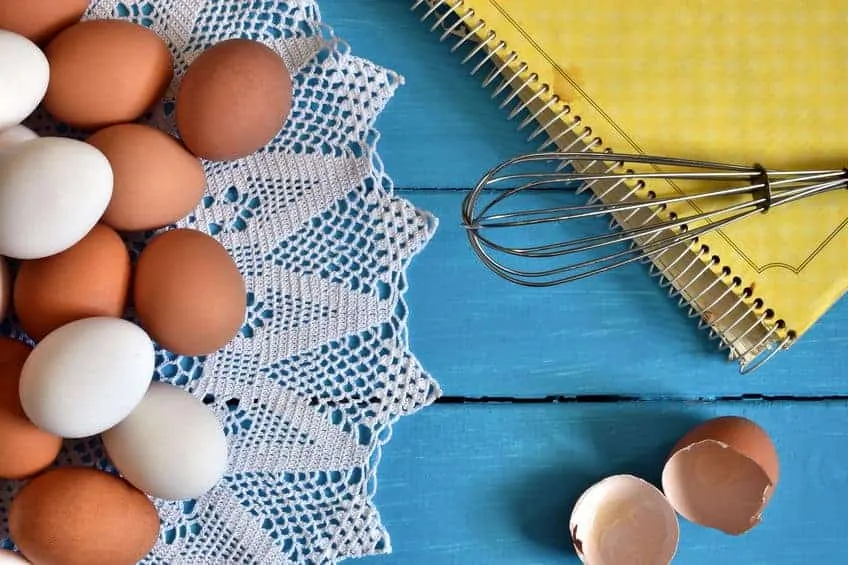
[614,438]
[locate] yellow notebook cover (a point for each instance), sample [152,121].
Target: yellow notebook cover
[741,81]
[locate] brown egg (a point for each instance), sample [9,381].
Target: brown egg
[91,278]
[82,516]
[722,474]
[40,20]
[189,294]
[157,181]
[13,351]
[5,288]
[104,72]
[234,98]
[24,449]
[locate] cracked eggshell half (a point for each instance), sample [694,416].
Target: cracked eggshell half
[624,519]
[722,474]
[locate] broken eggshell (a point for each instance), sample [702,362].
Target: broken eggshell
[624,519]
[722,474]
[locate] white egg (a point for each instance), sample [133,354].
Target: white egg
[86,376]
[24,75]
[171,446]
[11,558]
[52,192]
[14,135]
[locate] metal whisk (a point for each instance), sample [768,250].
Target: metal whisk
[641,223]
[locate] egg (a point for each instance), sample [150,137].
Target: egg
[234,98]
[722,474]
[24,449]
[24,76]
[105,72]
[14,135]
[189,295]
[91,278]
[624,519]
[148,453]
[157,181]
[82,516]
[86,376]
[11,558]
[52,192]
[39,20]
[5,288]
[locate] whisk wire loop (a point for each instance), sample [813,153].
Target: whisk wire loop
[758,190]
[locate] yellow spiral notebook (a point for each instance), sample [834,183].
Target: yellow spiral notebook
[751,81]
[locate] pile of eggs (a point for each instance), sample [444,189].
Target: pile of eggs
[91,313]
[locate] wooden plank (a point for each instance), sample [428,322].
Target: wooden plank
[495,484]
[480,336]
[442,129]
[618,333]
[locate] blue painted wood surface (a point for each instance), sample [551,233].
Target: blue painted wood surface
[493,482]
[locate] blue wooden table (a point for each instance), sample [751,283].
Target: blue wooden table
[547,391]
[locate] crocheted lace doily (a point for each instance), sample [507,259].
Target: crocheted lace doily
[310,387]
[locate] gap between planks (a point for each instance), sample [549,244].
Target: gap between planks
[616,398]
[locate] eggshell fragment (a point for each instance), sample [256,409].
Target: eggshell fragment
[234,98]
[189,294]
[105,72]
[24,76]
[24,449]
[157,181]
[40,20]
[86,376]
[14,135]
[91,278]
[82,516]
[152,457]
[722,474]
[624,519]
[53,190]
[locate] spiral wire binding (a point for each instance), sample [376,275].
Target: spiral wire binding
[752,358]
